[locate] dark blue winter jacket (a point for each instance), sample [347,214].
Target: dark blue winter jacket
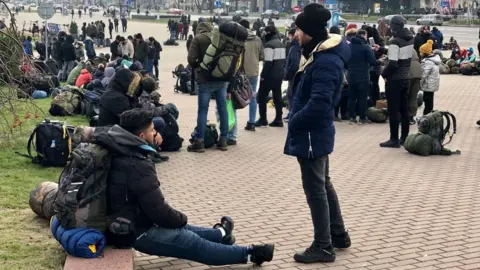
[89,48]
[293,60]
[316,90]
[361,60]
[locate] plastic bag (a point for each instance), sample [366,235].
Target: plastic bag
[231,115]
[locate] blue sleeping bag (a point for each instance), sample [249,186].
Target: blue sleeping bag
[80,242]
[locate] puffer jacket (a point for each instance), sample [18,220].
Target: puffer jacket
[198,48]
[126,49]
[399,56]
[415,69]
[84,78]
[361,60]
[430,73]
[73,75]
[90,48]
[274,60]
[133,190]
[253,55]
[316,91]
[293,60]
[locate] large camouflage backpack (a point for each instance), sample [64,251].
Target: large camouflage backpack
[67,103]
[433,128]
[377,115]
[81,196]
[221,60]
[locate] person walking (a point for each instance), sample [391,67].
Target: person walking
[124,24]
[271,78]
[396,75]
[311,132]
[110,27]
[158,49]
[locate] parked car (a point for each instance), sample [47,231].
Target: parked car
[242,13]
[58,7]
[175,11]
[94,9]
[270,14]
[431,19]
[220,12]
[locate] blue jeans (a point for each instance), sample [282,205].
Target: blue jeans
[159,124]
[191,243]
[149,67]
[252,107]
[205,91]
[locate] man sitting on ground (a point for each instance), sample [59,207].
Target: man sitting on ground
[142,218]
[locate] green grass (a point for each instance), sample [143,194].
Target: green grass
[26,241]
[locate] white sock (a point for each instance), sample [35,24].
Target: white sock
[249,258]
[222,230]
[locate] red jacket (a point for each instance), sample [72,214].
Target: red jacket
[84,78]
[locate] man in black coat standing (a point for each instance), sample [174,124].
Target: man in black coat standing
[110,27]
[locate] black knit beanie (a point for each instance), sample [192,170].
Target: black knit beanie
[313,20]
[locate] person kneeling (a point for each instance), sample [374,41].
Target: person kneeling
[141,217]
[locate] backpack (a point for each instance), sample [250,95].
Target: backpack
[377,115]
[211,136]
[52,142]
[241,91]
[92,103]
[67,103]
[81,197]
[183,75]
[171,140]
[221,59]
[431,135]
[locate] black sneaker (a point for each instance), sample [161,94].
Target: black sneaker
[402,141]
[478,122]
[227,224]
[276,123]
[250,127]
[231,142]
[158,158]
[338,119]
[262,253]
[222,144]
[315,253]
[196,146]
[261,123]
[352,121]
[341,241]
[391,144]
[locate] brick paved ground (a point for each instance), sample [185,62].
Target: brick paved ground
[403,211]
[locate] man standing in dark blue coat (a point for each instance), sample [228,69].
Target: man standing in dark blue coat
[311,132]
[359,76]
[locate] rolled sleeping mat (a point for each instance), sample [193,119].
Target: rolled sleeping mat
[419,144]
[41,199]
[377,115]
[420,98]
[444,69]
[79,242]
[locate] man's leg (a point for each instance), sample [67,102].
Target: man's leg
[232,134]
[352,99]
[314,185]
[262,104]
[375,95]
[393,90]
[252,107]
[155,65]
[403,108]
[204,94]
[221,100]
[344,106]
[185,244]
[277,100]
[362,100]
[412,99]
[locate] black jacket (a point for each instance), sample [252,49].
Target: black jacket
[114,49]
[274,61]
[399,56]
[116,100]
[68,50]
[57,50]
[141,51]
[421,39]
[133,190]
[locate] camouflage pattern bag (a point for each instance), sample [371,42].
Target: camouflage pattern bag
[81,197]
[67,103]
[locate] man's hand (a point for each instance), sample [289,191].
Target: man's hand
[376,47]
[158,139]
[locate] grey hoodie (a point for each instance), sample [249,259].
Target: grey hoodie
[253,55]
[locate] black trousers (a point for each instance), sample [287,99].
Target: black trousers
[116,28]
[428,101]
[322,199]
[110,30]
[124,28]
[397,100]
[342,107]
[375,88]
[155,67]
[265,87]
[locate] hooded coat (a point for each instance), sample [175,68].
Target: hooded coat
[198,48]
[84,78]
[108,74]
[294,55]
[68,50]
[133,190]
[431,73]
[316,91]
[90,48]
[253,55]
[72,77]
[360,61]
[122,95]
[274,59]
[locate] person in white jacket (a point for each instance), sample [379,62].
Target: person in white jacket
[430,82]
[126,47]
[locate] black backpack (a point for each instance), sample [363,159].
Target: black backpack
[51,140]
[171,140]
[183,75]
[211,136]
[92,103]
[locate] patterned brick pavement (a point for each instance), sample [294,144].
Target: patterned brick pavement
[402,211]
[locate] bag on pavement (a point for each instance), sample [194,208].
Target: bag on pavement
[67,103]
[210,138]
